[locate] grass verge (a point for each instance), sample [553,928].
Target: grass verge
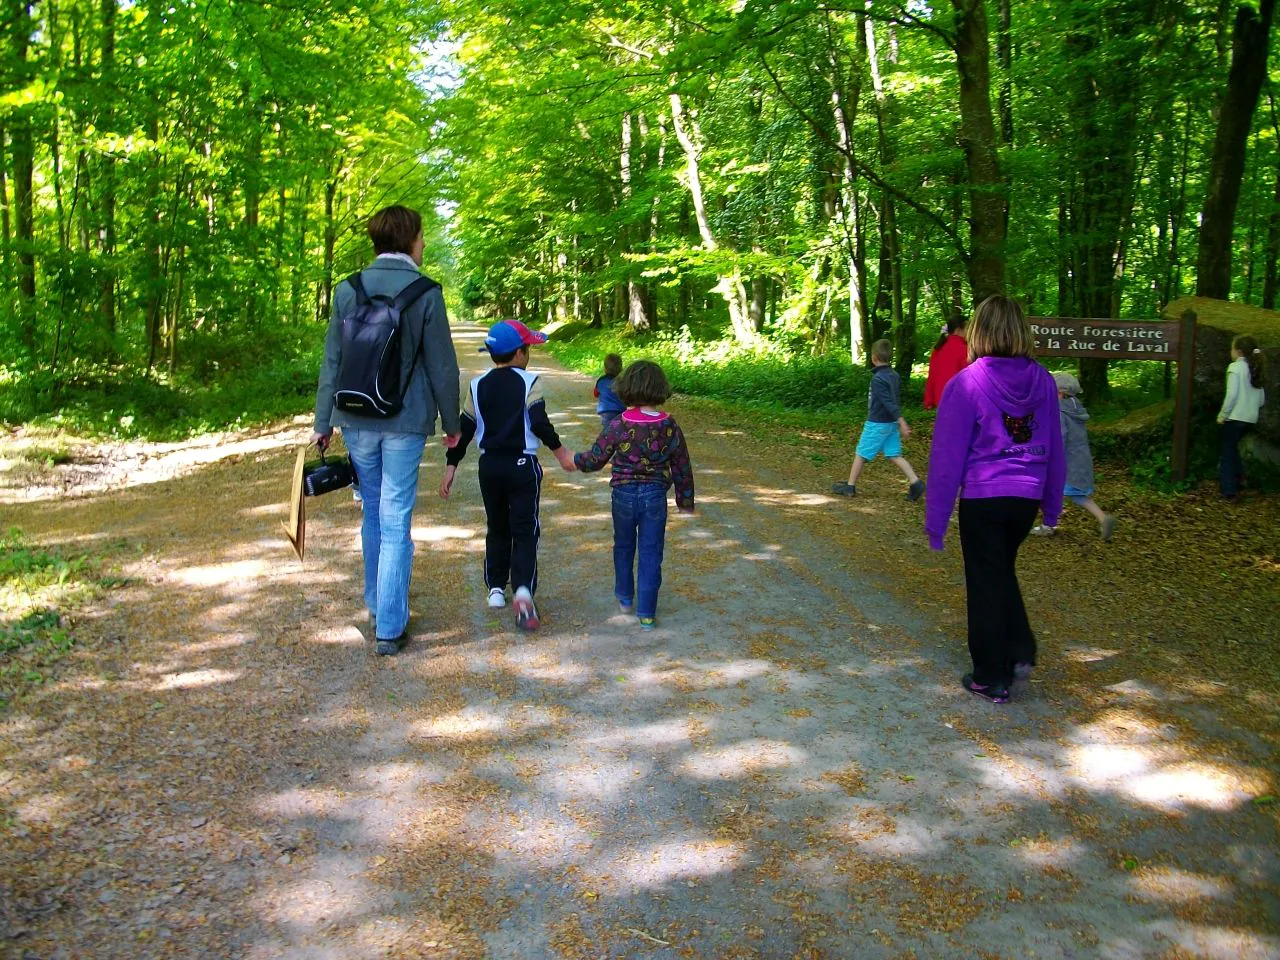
[39,588]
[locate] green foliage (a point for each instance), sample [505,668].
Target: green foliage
[37,588]
[237,383]
[200,177]
[769,375]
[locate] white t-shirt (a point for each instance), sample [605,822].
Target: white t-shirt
[1243,399]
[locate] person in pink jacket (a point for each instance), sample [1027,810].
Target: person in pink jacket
[997,444]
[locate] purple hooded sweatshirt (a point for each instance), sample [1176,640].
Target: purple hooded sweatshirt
[998,434]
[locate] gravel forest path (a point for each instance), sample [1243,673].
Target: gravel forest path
[786,768]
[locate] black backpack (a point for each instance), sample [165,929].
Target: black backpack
[372,339]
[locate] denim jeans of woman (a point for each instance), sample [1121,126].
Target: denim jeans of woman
[387,464]
[639,526]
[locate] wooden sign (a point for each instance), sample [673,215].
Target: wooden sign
[1106,339]
[1131,340]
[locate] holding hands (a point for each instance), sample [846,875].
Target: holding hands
[565,456]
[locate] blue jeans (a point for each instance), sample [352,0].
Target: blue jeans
[639,521]
[387,464]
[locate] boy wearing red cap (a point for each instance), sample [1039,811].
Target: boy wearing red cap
[506,415]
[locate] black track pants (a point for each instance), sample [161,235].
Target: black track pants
[991,531]
[512,488]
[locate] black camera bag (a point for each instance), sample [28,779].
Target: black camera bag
[327,475]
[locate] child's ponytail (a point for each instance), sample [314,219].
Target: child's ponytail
[1254,357]
[953,324]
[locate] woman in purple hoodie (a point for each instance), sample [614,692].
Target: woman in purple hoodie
[997,443]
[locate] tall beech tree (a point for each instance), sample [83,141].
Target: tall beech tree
[1250,42]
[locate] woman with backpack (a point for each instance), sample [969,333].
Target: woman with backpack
[389,371]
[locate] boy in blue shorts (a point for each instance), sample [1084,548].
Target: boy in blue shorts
[885,428]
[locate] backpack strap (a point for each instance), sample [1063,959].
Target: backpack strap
[419,288]
[412,292]
[357,285]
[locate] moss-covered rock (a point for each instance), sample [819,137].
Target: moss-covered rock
[1220,322]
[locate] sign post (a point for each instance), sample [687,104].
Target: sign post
[1131,340]
[1182,402]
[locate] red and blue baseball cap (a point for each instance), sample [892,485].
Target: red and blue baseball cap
[508,336]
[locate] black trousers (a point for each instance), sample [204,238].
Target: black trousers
[1230,466]
[991,531]
[511,486]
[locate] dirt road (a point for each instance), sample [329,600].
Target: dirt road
[786,768]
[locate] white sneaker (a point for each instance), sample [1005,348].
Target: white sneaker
[1040,530]
[497,598]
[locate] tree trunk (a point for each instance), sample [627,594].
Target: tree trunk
[844,106]
[330,237]
[988,201]
[1269,277]
[904,335]
[153,301]
[23,150]
[1004,54]
[759,293]
[107,219]
[730,287]
[1249,43]
[636,315]
[303,206]
[6,236]
[685,293]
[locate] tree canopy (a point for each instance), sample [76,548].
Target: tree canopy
[180,181]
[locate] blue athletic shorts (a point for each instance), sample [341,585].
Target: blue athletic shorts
[878,438]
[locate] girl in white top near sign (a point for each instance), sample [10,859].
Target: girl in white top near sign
[1245,397]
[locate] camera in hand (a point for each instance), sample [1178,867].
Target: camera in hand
[328,474]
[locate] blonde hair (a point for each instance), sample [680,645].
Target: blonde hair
[998,328]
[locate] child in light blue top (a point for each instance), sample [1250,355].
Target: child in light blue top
[885,428]
[608,406]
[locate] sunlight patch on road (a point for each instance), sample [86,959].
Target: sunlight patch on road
[306,802]
[1171,885]
[1204,941]
[548,669]
[742,760]
[596,779]
[1104,762]
[542,839]
[480,723]
[1088,654]
[664,863]
[791,498]
[220,574]
[663,733]
[1203,785]
[48,808]
[438,534]
[195,678]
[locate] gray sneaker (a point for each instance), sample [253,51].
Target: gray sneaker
[389,648]
[1108,527]
[843,489]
